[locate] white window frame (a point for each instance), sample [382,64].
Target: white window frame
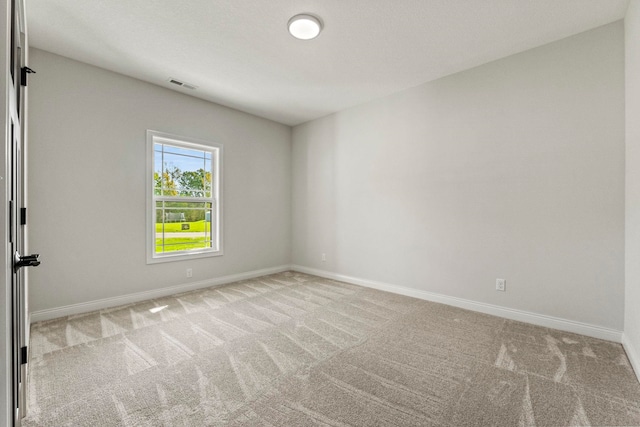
[216,150]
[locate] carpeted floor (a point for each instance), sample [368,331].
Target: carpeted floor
[296,350]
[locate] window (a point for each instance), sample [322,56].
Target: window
[184,181]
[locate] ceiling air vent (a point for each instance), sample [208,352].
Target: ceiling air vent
[183,84]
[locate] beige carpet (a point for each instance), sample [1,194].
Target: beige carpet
[297,350]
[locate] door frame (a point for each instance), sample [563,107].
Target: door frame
[9,114]
[6,348]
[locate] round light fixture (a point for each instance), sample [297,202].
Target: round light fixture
[305,26]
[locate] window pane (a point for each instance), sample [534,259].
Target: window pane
[183,226]
[171,149]
[208,181]
[185,172]
[157,169]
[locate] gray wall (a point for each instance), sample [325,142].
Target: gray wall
[87,183]
[632,252]
[514,169]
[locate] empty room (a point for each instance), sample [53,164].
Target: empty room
[331,213]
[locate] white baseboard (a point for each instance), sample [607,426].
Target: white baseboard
[508,313]
[632,354]
[85,307]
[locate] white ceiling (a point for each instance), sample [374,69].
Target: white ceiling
[239,53]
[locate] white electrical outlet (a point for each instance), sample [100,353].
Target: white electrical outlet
[501,285]
[189,272]
[324,257]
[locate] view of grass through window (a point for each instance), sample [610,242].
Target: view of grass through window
[184,204]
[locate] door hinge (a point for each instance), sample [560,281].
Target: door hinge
[23,216]
[23,75]
[23,355]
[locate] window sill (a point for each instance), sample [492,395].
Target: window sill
[158,259]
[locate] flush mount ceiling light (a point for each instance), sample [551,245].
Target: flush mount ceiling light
[305,26]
